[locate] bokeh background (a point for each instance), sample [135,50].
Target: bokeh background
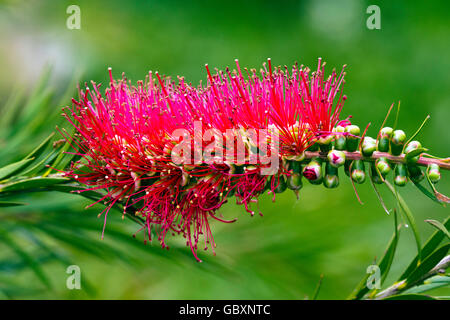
[278,256]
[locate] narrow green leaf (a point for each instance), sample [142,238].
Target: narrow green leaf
[38,166]
[439,226]
[13,168]
[428,264]
[25,256]
[62,154]
[10,109]
[75,189]
[388,257]
[385,263]
[426,192]
[430,284]
[11,204]
[40,148]
[376,190]
[317,290]
[409,217]
[32,183]
[431,244]
[410,297]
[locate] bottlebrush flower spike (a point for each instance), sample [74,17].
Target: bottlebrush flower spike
[228,129]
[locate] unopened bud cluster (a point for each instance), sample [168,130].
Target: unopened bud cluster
[332,150]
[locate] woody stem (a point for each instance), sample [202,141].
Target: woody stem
[423,161]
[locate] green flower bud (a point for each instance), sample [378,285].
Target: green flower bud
[325,143]
[325,140]
[413,145]
[368,147]
[398,137]
[336,158]
[238,169]
[358,176]
[400,178]
[314,147]
[295,166]
[386,132]
[400,181]
[347,167]
[353,130]
[294,181]
[397,141]
[340,141]
[281,185]
[268,184]
[358,171]
[352,141]
[331,182]
[383,166]
[385,136]
[331,179]
[383,145]
[415,173]
[434,173]
[375,176]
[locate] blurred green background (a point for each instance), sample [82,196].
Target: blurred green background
[278,256]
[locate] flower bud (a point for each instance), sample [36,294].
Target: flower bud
[368,147]
[415,173]
[358,176]
[383,166]
[281,187]
[268,184]
[294,181]
[413,145]
[397,141]
[331,182]
[347,167]
[352,140]
[400,178]
[336,158]
[386,132]
[358,171]
[325,143]
[184,178]
[375,176]
[340,143]
[313,147]
[385,137]
[383,145]
[313,172]
[331,179]
[434,173]
[400,181]
[295,166]
[339,129]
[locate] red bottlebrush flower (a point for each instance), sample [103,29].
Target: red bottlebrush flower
[228,135]
[319,95]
